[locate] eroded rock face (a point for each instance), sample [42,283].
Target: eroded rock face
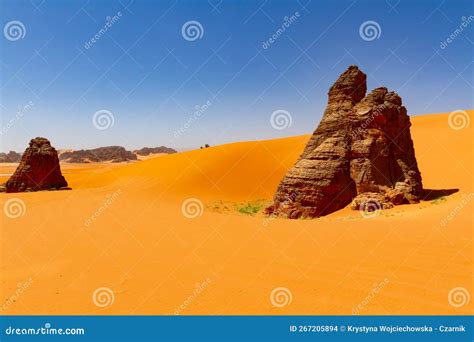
[38,169]
[362,146]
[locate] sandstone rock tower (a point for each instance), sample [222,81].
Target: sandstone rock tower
[38,170]
[361,151]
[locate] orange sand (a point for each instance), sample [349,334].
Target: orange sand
[404,261]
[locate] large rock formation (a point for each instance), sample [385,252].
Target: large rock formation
[38,170]
[361,152]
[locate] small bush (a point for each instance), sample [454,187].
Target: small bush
[250,208]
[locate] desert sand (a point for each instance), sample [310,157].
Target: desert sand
[122,227]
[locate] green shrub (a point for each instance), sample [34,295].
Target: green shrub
[250,208]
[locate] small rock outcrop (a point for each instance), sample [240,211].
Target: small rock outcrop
[361,152]
[38,169]
[146,151]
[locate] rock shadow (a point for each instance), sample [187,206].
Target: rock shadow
[432,194]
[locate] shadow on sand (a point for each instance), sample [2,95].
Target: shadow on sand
[432,194]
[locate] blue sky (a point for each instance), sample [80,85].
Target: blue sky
[150,79]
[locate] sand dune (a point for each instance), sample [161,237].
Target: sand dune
[122,227]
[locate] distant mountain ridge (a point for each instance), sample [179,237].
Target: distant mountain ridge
[10,157]
[114,154]
[145,151]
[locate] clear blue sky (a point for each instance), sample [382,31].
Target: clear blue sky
[151,79]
